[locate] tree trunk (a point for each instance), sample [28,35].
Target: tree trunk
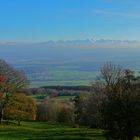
[1,115]
[18,122]
[0,118]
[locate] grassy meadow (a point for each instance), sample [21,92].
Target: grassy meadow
[46,131]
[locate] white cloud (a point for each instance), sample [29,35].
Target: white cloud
[120,14]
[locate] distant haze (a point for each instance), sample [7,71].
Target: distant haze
[69,62]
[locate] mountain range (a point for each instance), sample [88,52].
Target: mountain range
[79,43]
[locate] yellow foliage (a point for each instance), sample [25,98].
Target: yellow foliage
[21,107]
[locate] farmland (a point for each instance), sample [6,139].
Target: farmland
[45,65]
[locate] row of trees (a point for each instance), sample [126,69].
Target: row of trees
[52,110]
[113,104]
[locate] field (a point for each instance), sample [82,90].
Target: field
[69,66]
[64,98]
[45,131]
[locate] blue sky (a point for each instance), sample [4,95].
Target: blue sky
[42,20]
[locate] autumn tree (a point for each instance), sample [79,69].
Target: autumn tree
[20,107]
[11,82]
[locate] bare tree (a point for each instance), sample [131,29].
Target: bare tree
[111,75]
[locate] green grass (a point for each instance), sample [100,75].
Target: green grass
[60,83]
[62,75]
[45,131]
[39,96]
[58,98]
[63,98]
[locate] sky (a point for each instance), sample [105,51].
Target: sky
[43,20]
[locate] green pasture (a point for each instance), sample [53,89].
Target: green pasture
[45,131]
